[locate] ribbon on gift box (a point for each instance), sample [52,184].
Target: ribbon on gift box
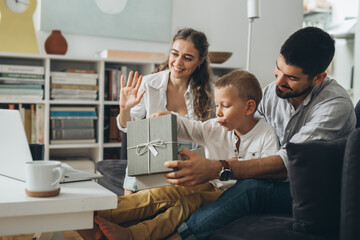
[143,148]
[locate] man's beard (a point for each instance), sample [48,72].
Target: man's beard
[280,94]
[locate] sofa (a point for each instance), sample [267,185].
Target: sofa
[323,178]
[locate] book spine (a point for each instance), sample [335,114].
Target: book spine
[69,86]
[27,124]
[22,75]
[33,123]
[80,133]
[84,109]
[75,75]
[20,91]
[72,123]
[72,81]
[21,80]
[20,97]
[22,69]
[73,70]
[72,114]
[40,114]
[20,86]
[114,132]
[73,91]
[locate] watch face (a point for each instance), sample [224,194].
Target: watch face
[225,175]
[17,5]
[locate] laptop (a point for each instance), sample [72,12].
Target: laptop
[15,151]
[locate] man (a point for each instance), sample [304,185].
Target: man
[302,104]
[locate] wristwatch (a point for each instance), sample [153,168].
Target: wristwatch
[225,172]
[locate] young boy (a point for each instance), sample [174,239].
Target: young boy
[235,133]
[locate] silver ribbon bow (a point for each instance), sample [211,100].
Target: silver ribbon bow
[143,148]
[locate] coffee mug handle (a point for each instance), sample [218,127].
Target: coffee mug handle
[60,170]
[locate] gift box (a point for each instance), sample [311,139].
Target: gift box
[151,142]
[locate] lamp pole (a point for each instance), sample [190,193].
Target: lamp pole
[253,9]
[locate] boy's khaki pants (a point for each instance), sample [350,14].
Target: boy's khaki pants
[175,203]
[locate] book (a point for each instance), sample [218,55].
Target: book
[78,109]
[72,81]
[74,86]
[21,81]
[74,75]
[22,69]
[136,55]
[21,86]
[75,70]
[73,97]
[72,141]
[20,97]
[72,114]
[114,132]
[72,123]
[33,123]
[27,124]
[40,115]
[73,91]
[78,133]
[22,91]
[22,75]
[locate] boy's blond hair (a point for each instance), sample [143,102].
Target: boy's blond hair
[246,84]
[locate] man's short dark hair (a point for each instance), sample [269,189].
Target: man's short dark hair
[311,49]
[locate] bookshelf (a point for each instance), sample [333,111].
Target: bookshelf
[103,147]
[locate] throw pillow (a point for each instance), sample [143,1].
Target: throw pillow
[315,179]
[350,208]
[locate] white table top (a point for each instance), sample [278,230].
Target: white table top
[75,200]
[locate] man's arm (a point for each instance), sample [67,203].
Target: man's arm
[198,169]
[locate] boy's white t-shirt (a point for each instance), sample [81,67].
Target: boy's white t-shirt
[261,141]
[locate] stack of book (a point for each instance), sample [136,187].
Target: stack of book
[21,82]
[72,125]
[113,82]
[74,85]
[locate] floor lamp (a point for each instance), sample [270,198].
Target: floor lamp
[253,9]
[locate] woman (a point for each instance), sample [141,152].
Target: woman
[182,84]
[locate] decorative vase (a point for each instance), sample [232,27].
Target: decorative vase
[56,43]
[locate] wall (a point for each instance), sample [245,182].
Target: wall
[356,88]
[224,22]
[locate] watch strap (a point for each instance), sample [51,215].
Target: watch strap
[225,164]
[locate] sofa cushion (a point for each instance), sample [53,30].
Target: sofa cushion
[315,179]
[265,227]
[113,172]
[350,196]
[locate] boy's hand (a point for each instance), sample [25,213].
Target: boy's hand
[160,114]
[191,172]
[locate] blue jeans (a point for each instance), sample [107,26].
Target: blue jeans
[248,196]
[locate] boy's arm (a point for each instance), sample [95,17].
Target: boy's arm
[192,130]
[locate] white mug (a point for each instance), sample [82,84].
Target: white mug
[43,176]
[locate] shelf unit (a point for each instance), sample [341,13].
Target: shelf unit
[51,63]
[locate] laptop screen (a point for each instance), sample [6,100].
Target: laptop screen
[14,148]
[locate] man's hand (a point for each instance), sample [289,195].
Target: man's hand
[191,172]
